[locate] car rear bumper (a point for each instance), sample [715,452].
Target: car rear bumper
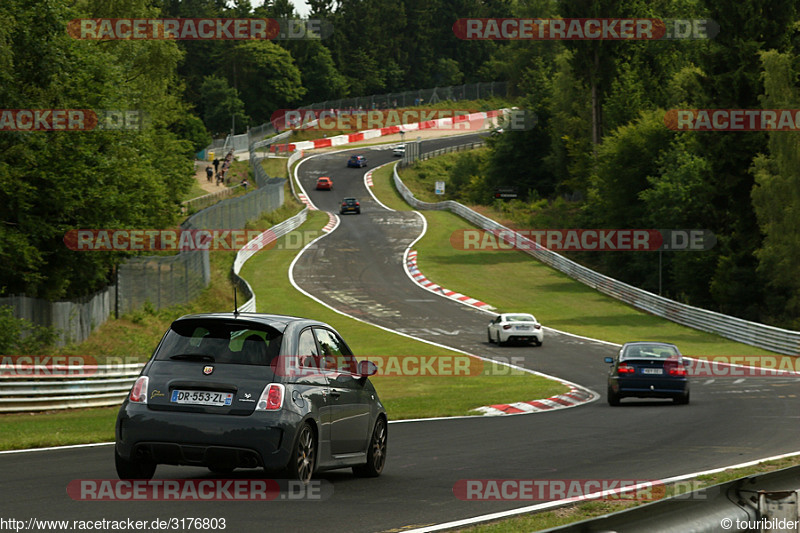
[522,336]
[646,388]
[180,438]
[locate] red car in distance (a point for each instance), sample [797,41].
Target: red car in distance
[324,184]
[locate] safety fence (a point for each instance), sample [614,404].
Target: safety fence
[69,387]
[201,202]
[763,502]
[761,335]
[254,246]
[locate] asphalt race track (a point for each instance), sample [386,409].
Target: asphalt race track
[358,270]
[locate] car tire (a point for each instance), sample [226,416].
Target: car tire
[489,336]
[681,400]
[376,454]
[133,469]
[303,459]
[499,340]
[358,212]
[613,398]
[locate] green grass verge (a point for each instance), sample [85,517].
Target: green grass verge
[275,166]
[554,298]
[404,396]
[62,428]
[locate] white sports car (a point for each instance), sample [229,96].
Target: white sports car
[515,327]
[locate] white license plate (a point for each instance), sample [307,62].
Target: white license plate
[199,397]
[524,328]
[658,371]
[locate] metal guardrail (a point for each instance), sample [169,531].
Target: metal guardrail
[761,335]
[734,506]
[252,247]
[449,149]
[67,387]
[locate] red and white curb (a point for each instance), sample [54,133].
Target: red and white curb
[333,221]
[305,200]
[368,179]
[420,279]
[339,140]
[570,399]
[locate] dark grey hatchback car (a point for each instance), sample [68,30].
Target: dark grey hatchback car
[231,390]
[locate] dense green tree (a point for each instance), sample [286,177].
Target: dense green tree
[223,110]
[56,181]
[776,193]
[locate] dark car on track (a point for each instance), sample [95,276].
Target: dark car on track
[230,390]
[357,161]
[648,370]
[350,205]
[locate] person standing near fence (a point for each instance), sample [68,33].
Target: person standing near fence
[209,173]
[216,165]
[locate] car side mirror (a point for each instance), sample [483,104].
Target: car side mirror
[609,360]
[367,368]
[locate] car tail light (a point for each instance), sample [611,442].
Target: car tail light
[677,371]
[357,204]
[271,398]
[625,369]
[507,326]
[537,326]
[139,390]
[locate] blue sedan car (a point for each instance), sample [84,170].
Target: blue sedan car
[357,161]
[648,370]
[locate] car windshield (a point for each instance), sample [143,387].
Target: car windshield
[220,342]
[520,318]
[657,351]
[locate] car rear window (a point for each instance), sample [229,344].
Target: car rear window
[220,342]
[657,351]
[520,318]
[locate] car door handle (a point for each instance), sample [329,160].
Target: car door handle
[335,393]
